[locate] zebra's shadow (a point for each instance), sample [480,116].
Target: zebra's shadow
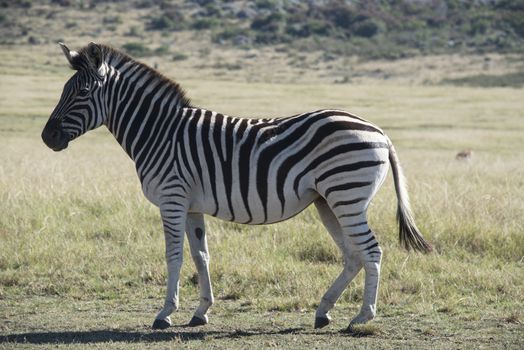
[103,336]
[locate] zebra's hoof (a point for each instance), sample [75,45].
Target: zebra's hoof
[321,322]
[349,330]
[161,324]
[197,321]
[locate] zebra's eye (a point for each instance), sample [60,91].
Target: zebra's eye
[83,91]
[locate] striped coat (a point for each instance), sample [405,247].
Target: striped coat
[193,161]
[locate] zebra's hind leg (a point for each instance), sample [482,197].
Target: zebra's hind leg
[363,242]
[196,234]
[352,264]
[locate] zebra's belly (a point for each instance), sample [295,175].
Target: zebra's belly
[254,213]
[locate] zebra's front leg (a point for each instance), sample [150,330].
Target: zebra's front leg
[196,234]
[174,220]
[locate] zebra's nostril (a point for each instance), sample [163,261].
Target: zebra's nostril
[55,134]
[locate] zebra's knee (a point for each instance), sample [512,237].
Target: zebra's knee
[174,263]
[352,265]
[372,255]
[201,261]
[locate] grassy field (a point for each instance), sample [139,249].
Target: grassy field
[82,257]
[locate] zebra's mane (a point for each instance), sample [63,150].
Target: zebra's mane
[110,54]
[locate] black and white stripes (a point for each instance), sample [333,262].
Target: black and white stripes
[193,161]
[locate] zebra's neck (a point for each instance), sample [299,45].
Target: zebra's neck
[142,105]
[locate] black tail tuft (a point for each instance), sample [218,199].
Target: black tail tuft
[409,235]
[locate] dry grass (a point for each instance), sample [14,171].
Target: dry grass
[364,330]
[80,244]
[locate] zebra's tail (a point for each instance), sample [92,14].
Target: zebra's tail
[409,235]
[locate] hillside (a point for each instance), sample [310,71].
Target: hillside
[430,41]
[377,29]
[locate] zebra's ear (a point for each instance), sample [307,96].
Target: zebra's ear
[70,55]
[95,56]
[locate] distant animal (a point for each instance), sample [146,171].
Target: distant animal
[192,161]
[466,154]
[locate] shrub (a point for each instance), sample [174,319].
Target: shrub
[367,28]
[160,23]
[516,21]
[318,27]
[27,4]
[162,50]
[413,24]
[265,4]
[133,31]
[205,23]
[340,14]
[180,57]
[63,3]
[112,20]
[213,11]
[515,80]
[204,2]
[298,29]
[270,23]
[170,20]
[270,38]
[510,5]
[144,4]
[228,33]
[227,66]
[136,49]
[479,26]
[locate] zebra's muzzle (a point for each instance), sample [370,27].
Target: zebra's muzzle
[54,137]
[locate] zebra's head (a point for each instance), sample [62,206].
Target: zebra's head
[81,107]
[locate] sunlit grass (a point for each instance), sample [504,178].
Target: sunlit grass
[76,233]
[76,224]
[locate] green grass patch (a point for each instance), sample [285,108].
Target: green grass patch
[364,330]
[515,80]
[82,251]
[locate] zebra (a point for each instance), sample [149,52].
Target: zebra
[192,161]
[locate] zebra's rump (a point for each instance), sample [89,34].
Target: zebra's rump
[266,170]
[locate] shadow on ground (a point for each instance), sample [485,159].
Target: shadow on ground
[103,336]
